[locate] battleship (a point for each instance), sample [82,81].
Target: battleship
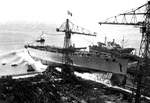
[85,60]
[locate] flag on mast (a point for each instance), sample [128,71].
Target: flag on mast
[69,13]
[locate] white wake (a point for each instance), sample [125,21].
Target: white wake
[21,57]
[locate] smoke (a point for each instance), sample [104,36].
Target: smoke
[21,57]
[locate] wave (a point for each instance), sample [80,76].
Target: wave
[10,54]
[21,57]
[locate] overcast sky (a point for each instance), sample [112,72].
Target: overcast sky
[86,13]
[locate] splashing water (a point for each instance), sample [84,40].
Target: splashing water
[16,62]
[103,78]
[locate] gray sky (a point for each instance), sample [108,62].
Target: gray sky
[86,13]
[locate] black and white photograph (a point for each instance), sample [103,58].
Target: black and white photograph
[74,51]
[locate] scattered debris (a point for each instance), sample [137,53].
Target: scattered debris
[14,65]
[53,87]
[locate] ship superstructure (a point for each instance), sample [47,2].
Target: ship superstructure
[139,17]
[98,61]
[114,49]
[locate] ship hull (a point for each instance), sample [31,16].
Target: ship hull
[93,62]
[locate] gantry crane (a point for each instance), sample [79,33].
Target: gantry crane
[137,17]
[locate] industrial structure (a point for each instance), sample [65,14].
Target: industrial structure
[137,17]
[69,28]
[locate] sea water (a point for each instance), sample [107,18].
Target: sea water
[14,58]
[12,51]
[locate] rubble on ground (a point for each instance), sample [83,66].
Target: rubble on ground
[53,87]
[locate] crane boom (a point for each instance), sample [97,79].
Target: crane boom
[69,28]
[142,19]
[136,17]
[80,33]
[117,23]
[133,17]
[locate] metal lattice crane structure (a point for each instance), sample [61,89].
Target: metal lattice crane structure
[69,28]
[137,17]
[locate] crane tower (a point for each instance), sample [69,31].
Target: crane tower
[137,17]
